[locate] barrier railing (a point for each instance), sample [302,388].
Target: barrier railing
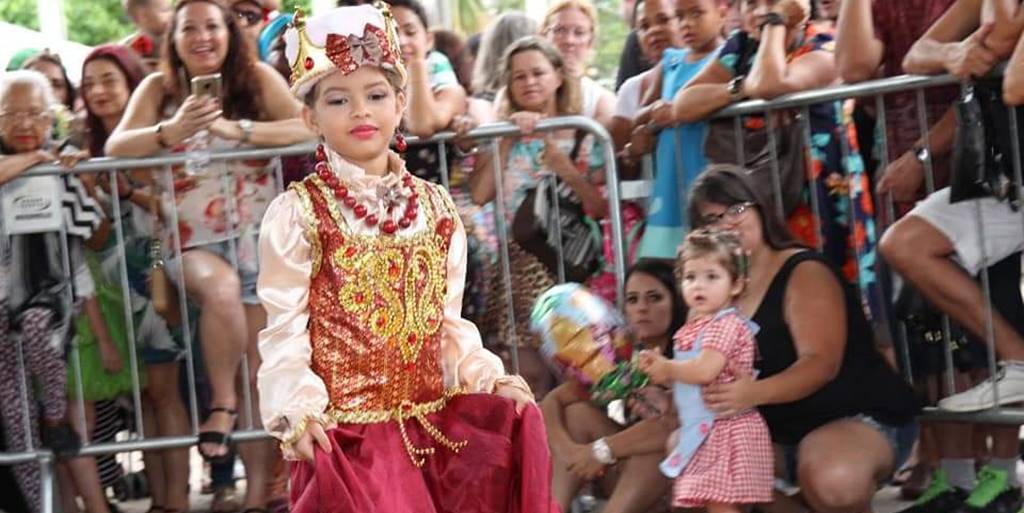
[875,93]
[247,430]
[800,101]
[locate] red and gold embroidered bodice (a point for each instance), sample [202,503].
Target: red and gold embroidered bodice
[376,305]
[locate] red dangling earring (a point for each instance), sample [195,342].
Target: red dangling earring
[400,143]
[321,153]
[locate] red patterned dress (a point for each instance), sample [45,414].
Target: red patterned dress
[365,334]
[734,465]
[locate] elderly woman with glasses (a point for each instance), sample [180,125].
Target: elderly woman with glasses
[38,300]
[840,417]
[571,25]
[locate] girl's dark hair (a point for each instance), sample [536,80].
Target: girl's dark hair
[414,6]
[53,58]
[133,70]
[663,272]
[239,88]
[636,12]
[728,184]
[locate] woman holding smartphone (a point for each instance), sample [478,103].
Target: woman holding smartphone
[218,205]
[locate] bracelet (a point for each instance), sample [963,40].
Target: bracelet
[160,136]
[245,126]
[602,453]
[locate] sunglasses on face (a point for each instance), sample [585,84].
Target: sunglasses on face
[250,18]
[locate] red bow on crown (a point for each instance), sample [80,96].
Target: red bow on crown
[350,52]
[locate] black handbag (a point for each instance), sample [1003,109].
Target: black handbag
[982,150]
[534,223]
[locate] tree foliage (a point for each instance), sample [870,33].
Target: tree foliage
[20,12]
[94,22]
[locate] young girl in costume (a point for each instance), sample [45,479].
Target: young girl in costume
[718,464]
[370,375]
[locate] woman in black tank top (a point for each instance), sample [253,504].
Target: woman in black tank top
[830,400]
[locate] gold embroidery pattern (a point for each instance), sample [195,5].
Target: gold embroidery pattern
[311,224]
[376,312]
[405,411]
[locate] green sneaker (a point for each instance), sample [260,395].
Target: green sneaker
[939,497]
[992,494]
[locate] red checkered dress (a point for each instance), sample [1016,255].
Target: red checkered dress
[735,463]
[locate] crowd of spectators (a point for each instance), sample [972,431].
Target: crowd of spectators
[821,249]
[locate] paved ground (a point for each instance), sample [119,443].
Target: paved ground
[887,500]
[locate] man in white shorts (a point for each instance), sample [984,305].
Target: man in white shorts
[932,247]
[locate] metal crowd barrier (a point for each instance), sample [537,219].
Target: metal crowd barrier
[246,430]
[873,92]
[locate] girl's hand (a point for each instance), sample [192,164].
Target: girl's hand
[515,393]
[655,366]
[110,357]
[729,399]
[314,434]
[526,121]
[195,114]
[583,464]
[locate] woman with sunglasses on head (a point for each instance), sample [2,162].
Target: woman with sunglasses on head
[840,417]
[49,64]
[217,225]
[252,15]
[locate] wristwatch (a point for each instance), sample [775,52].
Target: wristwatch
[922,154]
[602,453]
[735,88]
[773,18]
[246,126]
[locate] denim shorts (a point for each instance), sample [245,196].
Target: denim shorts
[901,440]
[247,273]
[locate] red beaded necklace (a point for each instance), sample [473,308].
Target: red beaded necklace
[389,226]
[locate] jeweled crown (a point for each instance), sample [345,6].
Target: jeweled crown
[344,39]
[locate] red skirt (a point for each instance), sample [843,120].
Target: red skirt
[504,467]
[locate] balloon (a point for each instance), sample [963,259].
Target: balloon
[585,338]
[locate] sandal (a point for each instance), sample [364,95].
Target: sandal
[225,500]
[216,437]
